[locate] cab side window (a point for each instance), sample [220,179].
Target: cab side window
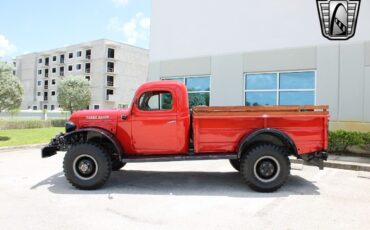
[155,100]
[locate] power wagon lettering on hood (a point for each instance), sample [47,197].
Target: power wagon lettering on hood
[97,117]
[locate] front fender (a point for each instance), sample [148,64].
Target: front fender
[63,141]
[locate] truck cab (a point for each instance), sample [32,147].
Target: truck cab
[158,121]
[160,126]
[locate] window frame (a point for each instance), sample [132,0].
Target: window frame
[114,53]
[80,65]
[278,90]
[194,76]
[172,109]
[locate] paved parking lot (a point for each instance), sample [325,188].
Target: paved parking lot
[177,195]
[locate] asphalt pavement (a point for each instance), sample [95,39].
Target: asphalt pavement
[177,195]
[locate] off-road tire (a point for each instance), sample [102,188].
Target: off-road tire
[251,166]
[98,156]
[235,163]
[117,165]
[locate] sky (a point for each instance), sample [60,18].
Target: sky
[36,25]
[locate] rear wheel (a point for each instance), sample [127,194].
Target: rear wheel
[87,166]
[265,168]
[236,164]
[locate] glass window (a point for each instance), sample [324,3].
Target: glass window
[157,100]
[196,99]
[70,55]
[179,79]
[287,88]
[79,53]
[198,89]
[110,53]
[261,81]
[110,81]
[260,98]
[197,83]
[301,80]
[297,98]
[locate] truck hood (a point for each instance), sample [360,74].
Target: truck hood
[104,119]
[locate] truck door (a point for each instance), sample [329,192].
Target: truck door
[154,123]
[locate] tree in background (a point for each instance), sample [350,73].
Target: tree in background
[74,93]
[11,90]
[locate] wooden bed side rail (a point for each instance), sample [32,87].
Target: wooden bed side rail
[284,108]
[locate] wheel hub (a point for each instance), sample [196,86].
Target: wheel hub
[85,167]
[266,169]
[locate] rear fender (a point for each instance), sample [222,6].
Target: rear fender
[250,138]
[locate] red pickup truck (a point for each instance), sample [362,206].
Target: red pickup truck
[159,126]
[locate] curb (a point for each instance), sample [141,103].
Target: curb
[339,165]
[22,146]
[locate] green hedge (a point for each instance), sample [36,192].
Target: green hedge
[31,124]
[340,140]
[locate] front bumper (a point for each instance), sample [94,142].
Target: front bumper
[54,146]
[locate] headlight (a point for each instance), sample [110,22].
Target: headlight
[70,126]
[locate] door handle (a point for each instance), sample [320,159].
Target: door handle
[171,122]
[124,117]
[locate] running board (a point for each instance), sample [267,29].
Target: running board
[183,157]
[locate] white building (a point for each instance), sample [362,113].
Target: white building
[114,70]
[245,52]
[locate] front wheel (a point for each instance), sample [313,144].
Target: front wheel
[87,166]
[265,168]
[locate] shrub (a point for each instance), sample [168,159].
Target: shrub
[31,124]
[340,140]
[367,141]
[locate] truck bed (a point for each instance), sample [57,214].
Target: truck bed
[220,129]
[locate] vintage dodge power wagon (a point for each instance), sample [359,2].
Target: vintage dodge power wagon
[160,126]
